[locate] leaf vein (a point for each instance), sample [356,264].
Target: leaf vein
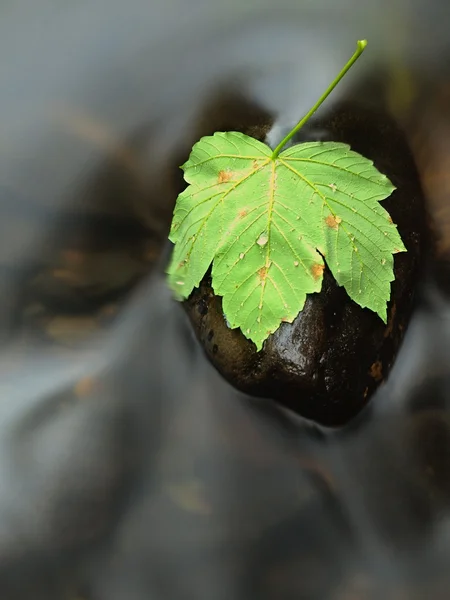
[237,184]
[334,166]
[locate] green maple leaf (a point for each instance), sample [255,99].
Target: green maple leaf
[266,221]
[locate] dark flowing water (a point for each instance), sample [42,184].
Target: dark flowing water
[128,468]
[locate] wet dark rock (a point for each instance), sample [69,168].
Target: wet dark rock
[328,362]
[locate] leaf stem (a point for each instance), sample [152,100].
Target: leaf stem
[360,45]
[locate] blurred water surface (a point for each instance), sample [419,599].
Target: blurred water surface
[128,468]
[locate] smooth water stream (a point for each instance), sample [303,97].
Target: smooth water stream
[129,469]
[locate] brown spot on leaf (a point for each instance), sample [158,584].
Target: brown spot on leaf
[390,219]
[376,371]
[224,176]
[333,221]
[242,213]
[255,164]
[317,270]
[262,273]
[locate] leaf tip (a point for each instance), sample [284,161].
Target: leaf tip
[382,313]
[177,288]
[185,165]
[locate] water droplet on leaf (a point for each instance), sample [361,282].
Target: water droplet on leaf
[263,239]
